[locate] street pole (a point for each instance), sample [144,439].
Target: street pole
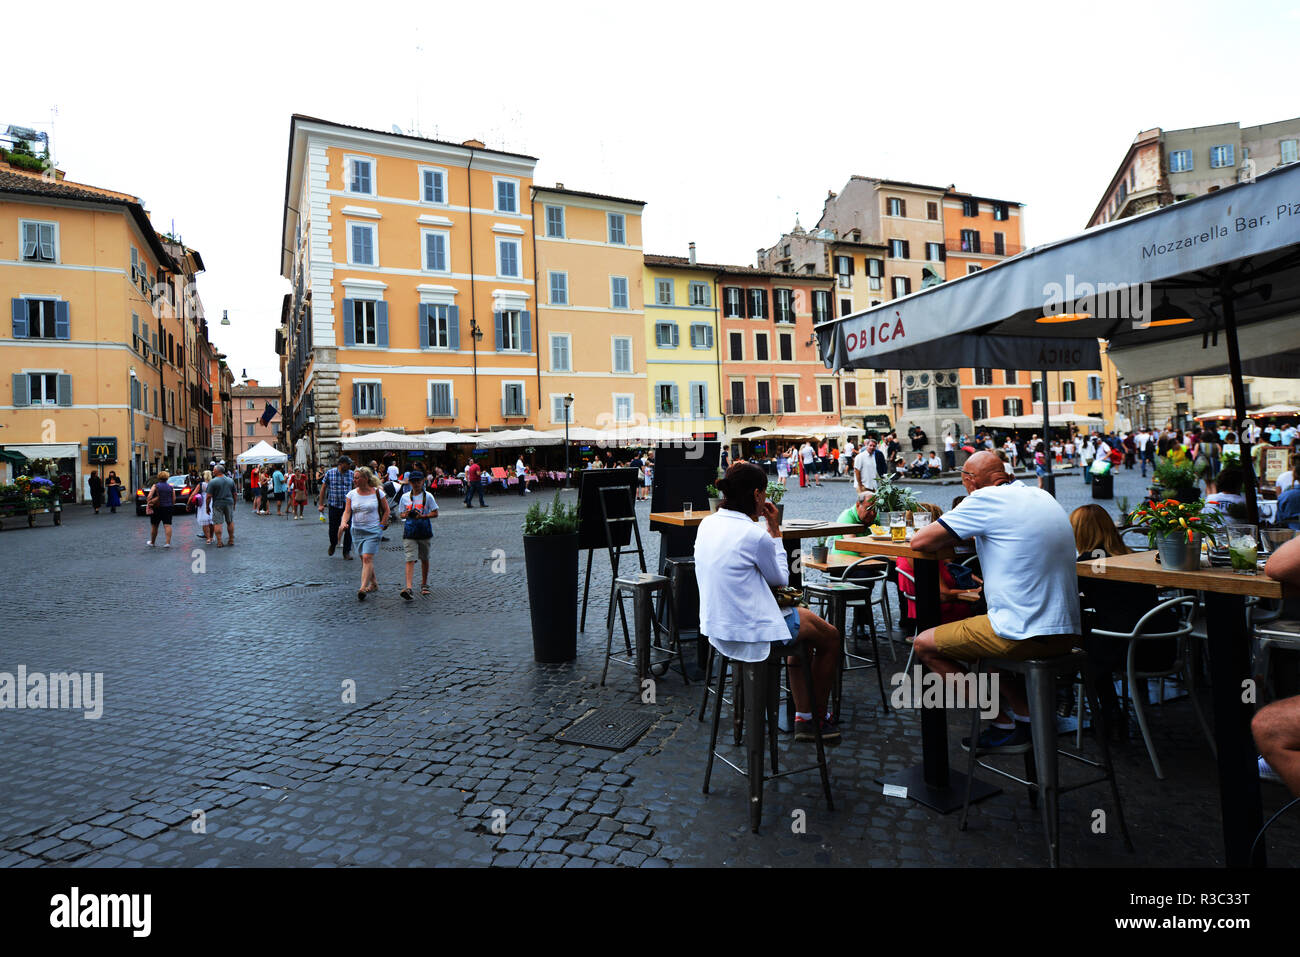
[1049,480]
[568,404]
[130,456]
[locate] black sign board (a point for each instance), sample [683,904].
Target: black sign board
[102,449]
[591,530]
[683,474]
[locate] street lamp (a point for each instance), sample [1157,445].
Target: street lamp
[568,403]
[130,413]
[475,334]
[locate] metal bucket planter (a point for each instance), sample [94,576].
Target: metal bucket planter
[552,565]
[1177,554]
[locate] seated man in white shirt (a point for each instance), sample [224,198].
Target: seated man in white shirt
[739,558]
[1027,556]
[933,467]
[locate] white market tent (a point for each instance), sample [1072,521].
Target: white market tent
[389,441]
[516,438]
[1218,414]
[1270,410]
[263,453]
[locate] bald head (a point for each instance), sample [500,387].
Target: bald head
[984,469]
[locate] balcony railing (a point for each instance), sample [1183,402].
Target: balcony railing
[983,245]
[514,408]
[741,407]
[441,408]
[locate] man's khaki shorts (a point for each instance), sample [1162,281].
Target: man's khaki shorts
[973,638]
[417,549]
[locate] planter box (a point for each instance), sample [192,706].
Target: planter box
[552,565]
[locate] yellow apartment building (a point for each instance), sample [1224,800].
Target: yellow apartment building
[96,343]
[590,308]
[412,268]
[683,373]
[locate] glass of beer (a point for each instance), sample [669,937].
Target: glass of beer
[898,526]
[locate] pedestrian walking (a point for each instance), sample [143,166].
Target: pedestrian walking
[521,474]
[96,491]
[474,483]
[417,509]
[782,466]
[220,501]
[278,487]
[159,506]
[364,515]
[334,488]
[114,490]
[203,507]
[299,488]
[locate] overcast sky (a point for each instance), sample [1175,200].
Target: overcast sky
[727,119]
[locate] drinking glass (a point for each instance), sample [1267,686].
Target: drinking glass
[1275,538]
[1243,548]
[898,526]
[920,519]
[688,508]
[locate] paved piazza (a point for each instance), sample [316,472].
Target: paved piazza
[224,681]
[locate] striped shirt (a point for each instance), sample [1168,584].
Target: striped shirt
[337,486]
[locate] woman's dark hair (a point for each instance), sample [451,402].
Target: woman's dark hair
[738,486]
[1230,481]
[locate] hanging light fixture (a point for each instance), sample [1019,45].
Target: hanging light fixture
[1167,314]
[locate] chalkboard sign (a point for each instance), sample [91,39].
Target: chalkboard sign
[682,473]
[591,530]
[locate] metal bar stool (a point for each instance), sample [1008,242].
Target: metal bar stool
[754,709]
[680,573]
[835,598]
[1041,765]
[868,571]
[641,586]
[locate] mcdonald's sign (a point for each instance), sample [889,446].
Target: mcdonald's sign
[102,449]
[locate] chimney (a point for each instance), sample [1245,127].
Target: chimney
[692,254]
[473,144]
[559,186]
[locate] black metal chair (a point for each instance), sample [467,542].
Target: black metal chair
[835,599]
[640,587]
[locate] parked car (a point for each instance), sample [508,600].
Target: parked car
[183,494]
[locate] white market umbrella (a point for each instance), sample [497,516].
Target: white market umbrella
[1270,410]
[263,453]
[517,438]
[385,441]
[1218,414]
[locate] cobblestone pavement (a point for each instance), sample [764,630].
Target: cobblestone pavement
[224,675]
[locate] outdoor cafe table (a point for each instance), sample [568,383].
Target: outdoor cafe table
[1229,642]
[932,783]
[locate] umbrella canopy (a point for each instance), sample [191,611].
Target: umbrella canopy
[449,438]
[1217,414]
[516,438]
[1012,422]
[582,433]
[262,453]
[1271,410]
[386,441]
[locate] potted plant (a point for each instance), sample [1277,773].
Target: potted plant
[893,498]
[715,497]
[551,561]
[1173,481]
[1175,529]
[819,549]
[776,492]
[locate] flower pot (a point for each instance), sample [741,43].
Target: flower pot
[819,552]
[714,503]
[780,514]
[552,565]
[1177,554]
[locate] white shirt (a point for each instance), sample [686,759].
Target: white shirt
[393,473]
[519,467]
[865,466]
[1027,555]
[425,504]
[848,451]
[736,563]
[934,462]
[1288,435]
[948,443]
[365,510]
[1142,439]
[807,453]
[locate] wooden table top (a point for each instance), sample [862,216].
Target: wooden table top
[833,560]
[1141,567]
[865,545]
[790,531]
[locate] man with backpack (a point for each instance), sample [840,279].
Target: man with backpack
[417,508]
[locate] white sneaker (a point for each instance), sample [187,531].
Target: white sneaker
[149,544]
[167,544]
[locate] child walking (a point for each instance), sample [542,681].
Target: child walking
[417,508]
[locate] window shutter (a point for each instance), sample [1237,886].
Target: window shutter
[453,327]
[907,249]
[708,337]
[424,326]
[379,399]
[746,308]
[496,319]
[63,390]
[20,318]
[943,252]
[525,328]
[349,325]
[766,312]
[381,323]
[356,399]
[22,391]
[851,266]
[673,329]
[676,404]
[62,320]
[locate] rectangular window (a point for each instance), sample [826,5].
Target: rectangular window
[934,252]
[365,324]
[622,408]
[663,292]
[559,283]
[39,242]
[440,405]
[512,400]
[559,411]
[785,347]
[434,182]
[932,211]
[42,319]
[361,180]
[882,394]
[1036,391]
[983,376]
[733,306]
[764,397]
[1180,161]
[973,267]
[1221,156]
[846,306]
[701,335]
[699,393]
[821,306]
[1013,407]
[737,397]
[555,222]
[898,248]
[560,350]
[789,398]
[850,393]
[1094,387]
[1067,390]
[970,241]
[1000,211]
[507,196]
[250,428]
[875,273]
[1009,376]
[508,258]
[737,342]
[1000,244]
[618,292]
[666,335]
[760,347]
[783,301]
[699,294]
[435,252]
[828,397]
[979,409]
[902,286]
[666,398]
[617,228]
[757,302]
[1288,149]
[970,207]
[623,353]
[896,207]
[363,244]
[439,327]
[512,330]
